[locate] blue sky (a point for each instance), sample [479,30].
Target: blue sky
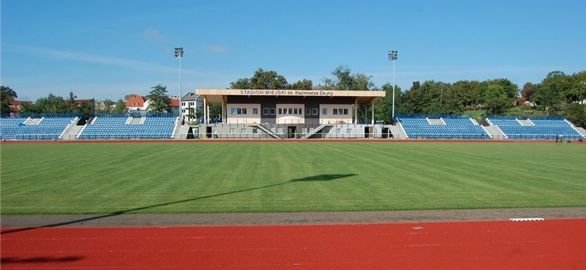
[110,48]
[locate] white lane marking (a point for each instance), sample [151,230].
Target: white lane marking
[527,219]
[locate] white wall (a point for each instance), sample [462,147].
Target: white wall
[248,118]
[286,118]
[331,118]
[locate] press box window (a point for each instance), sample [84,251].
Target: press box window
[335,111]
[314,111]
[324,111]
[345,111]
[265,111]
[254,111]
[233,111]
[280,111]
[272,111]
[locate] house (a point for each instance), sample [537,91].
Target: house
[136,103]
[191,103]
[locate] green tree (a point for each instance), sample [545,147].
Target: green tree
[345,80]
[119,107]
[7,96]
[261,80]
[302,85]
[108,105]
[51,104]
[383,106]
[87,109]
[576,113]
[528,91]
[496,99]
[549,94]
[158,99]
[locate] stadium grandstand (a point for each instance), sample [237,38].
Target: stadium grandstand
[536,129]
[128,127]
[442,128]
[28,128]
[282,114]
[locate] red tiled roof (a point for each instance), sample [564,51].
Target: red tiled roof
[174,102]
[135,101]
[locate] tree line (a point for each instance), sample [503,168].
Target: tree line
[53,104]
[557,94]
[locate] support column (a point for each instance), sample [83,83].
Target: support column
[372,111]
[205,110]
[355,111]
[223,113]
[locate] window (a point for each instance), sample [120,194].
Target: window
[324,111]
[265,111]
[272,111]
[346,111]
[314,111]
[182,103]
[290,111]
[300,111]
[308,112]
[243,110]
[233,111]
[191,103]
[254,111]
[254,131]
[335,111]
[294,110]
[280,111]
[239,110]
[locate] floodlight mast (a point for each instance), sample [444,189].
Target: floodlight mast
[393,57]
[179,54]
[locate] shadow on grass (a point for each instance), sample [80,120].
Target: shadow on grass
[314,178]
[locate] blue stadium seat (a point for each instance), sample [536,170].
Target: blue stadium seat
[47,128]
[448,128]
[154,127]
[537,129]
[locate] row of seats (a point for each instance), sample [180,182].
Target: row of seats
[125,128]
[537,129]
[454,128]
[48,128]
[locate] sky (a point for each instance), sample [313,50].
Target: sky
[111,48]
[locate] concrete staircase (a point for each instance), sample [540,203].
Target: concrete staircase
[181,133]
[436,122]
[266,130]
[315,130]
[526,122]
[495,133]
[397,132]
[70,132]
[582,131]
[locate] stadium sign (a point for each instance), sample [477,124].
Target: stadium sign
[270,92]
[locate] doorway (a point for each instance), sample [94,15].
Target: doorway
[291,132]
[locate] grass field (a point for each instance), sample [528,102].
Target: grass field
[244,177]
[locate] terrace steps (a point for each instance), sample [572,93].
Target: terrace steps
[397,132]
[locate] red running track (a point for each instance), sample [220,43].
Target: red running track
[556,244]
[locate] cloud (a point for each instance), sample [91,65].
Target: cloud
[153,34]
[219,49]
[100,59]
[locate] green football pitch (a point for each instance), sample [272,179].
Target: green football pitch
[261,177]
